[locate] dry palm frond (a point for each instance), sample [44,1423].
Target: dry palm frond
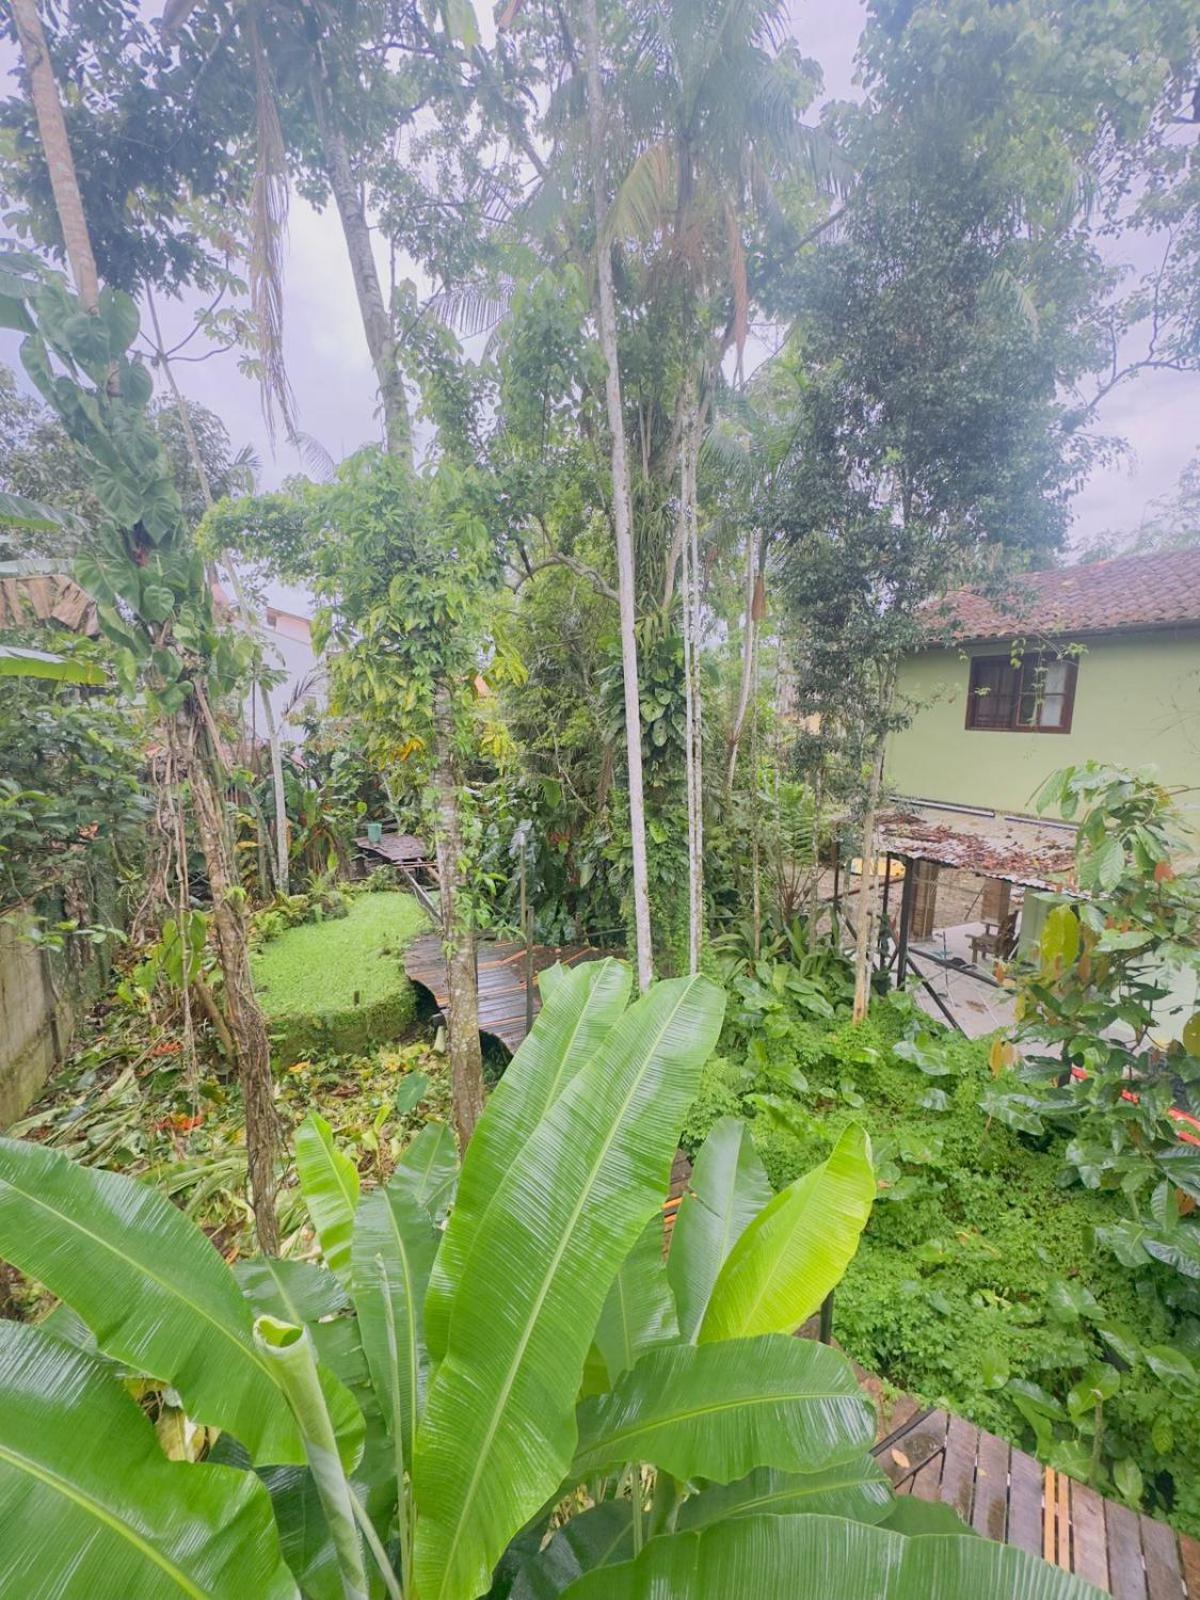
[317,460]
[471,310]
[268,231]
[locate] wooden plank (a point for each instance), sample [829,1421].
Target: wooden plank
[927,1483]
[908,1451]
[1126,1572]
[1164,1580]
[1025,1503]
[1062,1488]
[990,1513]
[958,1474]
[1089,1547]
[1049,1518]
[1189,1560]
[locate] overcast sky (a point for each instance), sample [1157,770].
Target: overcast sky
[335,388]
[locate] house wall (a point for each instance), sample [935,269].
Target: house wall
[1137,701]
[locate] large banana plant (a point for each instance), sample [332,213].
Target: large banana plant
[529,1399]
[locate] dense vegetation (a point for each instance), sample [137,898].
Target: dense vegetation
[690,404]
[980,1283]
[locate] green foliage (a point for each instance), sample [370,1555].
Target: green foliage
[69,791]
[1093,1004]
[396,1454]
[140,564]
[339,984]
[981,1283]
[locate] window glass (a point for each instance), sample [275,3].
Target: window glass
[1036,695]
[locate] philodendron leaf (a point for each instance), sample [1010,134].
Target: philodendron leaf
[857,1488]
[410,1092]
[498,1433]
[797,1248]
[579,1008]
[329,1184]
[151,1287]
[639,1313]
[717,1411]
[728,1189]
[826,1558]
[91,1506]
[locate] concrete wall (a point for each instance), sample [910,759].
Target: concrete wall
[42,998]
[1137,702]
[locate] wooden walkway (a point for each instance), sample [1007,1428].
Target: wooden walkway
[1005,1494]
[501,970]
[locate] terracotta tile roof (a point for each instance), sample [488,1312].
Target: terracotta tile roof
[1149,591]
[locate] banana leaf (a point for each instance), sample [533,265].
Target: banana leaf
[639,1314]
[728,1189]
[499,1427]
[826,1558]
[394,1246]
[718,1411]
[858,1489]
[19,663]
[797,1248]
[595,1538]
[329,1184]
[294,1291]
[577,1012]
[428,1169]
[151,1287]
[91,1506]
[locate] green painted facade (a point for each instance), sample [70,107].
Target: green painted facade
[1137,701]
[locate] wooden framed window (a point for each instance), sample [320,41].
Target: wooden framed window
[1037,695]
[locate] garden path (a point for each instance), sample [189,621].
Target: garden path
[1005,1494]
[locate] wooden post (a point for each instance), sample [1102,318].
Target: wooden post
[906,906]
[825,1332]
[883,915]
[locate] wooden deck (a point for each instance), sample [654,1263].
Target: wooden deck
[501,970]
[1005,1494]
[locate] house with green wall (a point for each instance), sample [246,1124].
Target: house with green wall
[1088,662]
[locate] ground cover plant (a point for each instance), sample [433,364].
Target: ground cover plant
[338,983]
[982,1282]
[417,1416]
[124,1101]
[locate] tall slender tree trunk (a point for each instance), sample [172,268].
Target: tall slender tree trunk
[691,637]
[52,129]
[373,309]
[458,933]
[749,642]
[622,503]
[867,886]
[246,1024]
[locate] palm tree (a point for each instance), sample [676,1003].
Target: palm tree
[722,103]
